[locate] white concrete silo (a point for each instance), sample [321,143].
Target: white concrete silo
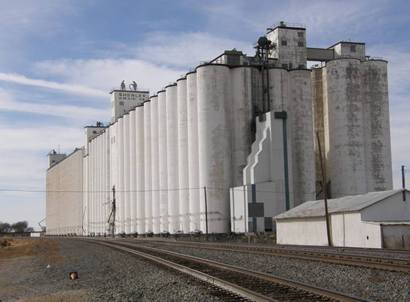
[113,166]
[85,194]
[140,168]
[193,164]
[100,184]
[300,119]
[98,193]
[344,138]
[183,177]
[377,125]
[214,146]
[240,116]
[133,172]
[162,155]
[171,125]
[103,187]
[154,165]
[95,185]
[147,168]
[126,171]
[96,177]
[92,186]
[106,181]
[120,195]
[278,89]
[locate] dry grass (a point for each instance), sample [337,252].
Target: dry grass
[47,249]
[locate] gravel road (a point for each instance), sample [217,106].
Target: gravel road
[104,275]
[370,284]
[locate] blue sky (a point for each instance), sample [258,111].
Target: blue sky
[59,60]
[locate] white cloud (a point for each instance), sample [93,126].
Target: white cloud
[326,21]
[23,162]
[36,139]
[186,49]
[79,114]
[160,59]
[105,74]
[70,88]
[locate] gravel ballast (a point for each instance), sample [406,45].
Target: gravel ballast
[376,285]
[104,275]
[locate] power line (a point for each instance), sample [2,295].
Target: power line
[237,189]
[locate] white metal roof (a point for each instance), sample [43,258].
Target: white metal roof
[353,203]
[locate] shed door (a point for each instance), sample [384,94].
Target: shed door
[396,236]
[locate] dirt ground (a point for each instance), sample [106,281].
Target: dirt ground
[17,257]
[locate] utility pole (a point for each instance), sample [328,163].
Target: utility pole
[111,218]
[324,188]
[403,181]
[206,213]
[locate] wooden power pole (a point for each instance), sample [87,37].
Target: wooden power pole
[324,188]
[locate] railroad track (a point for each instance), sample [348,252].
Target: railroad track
[250,285]
[334,257]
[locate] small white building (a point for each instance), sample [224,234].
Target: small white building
[372,220]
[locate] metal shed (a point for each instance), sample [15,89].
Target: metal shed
[375,220]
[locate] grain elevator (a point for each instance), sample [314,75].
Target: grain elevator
[233,142]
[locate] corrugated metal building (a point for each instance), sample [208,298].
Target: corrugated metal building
[372,220]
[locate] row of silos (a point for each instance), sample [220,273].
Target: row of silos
[352,117]
[189,136]
[173,159]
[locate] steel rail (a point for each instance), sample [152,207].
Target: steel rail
[381,263]
[298,291]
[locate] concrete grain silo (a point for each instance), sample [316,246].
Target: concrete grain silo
[171,125]
[91,200]
[114,162]
[120,223]
[126,188]
[183,175]
[147,168]
[162,156]
[377,131]
[214,146]
[300,118]
[155,166]
[133,171]
[99,176]
[241,115]
[193,163]
[106,180]
[140,168]
[85,189]
[345,134]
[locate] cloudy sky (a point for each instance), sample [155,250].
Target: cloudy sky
[59,60]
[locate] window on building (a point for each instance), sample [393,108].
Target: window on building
[300,34]
[121,103]
[301,44]
[301,66]
[285,66]
[284,42]
[353,48]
